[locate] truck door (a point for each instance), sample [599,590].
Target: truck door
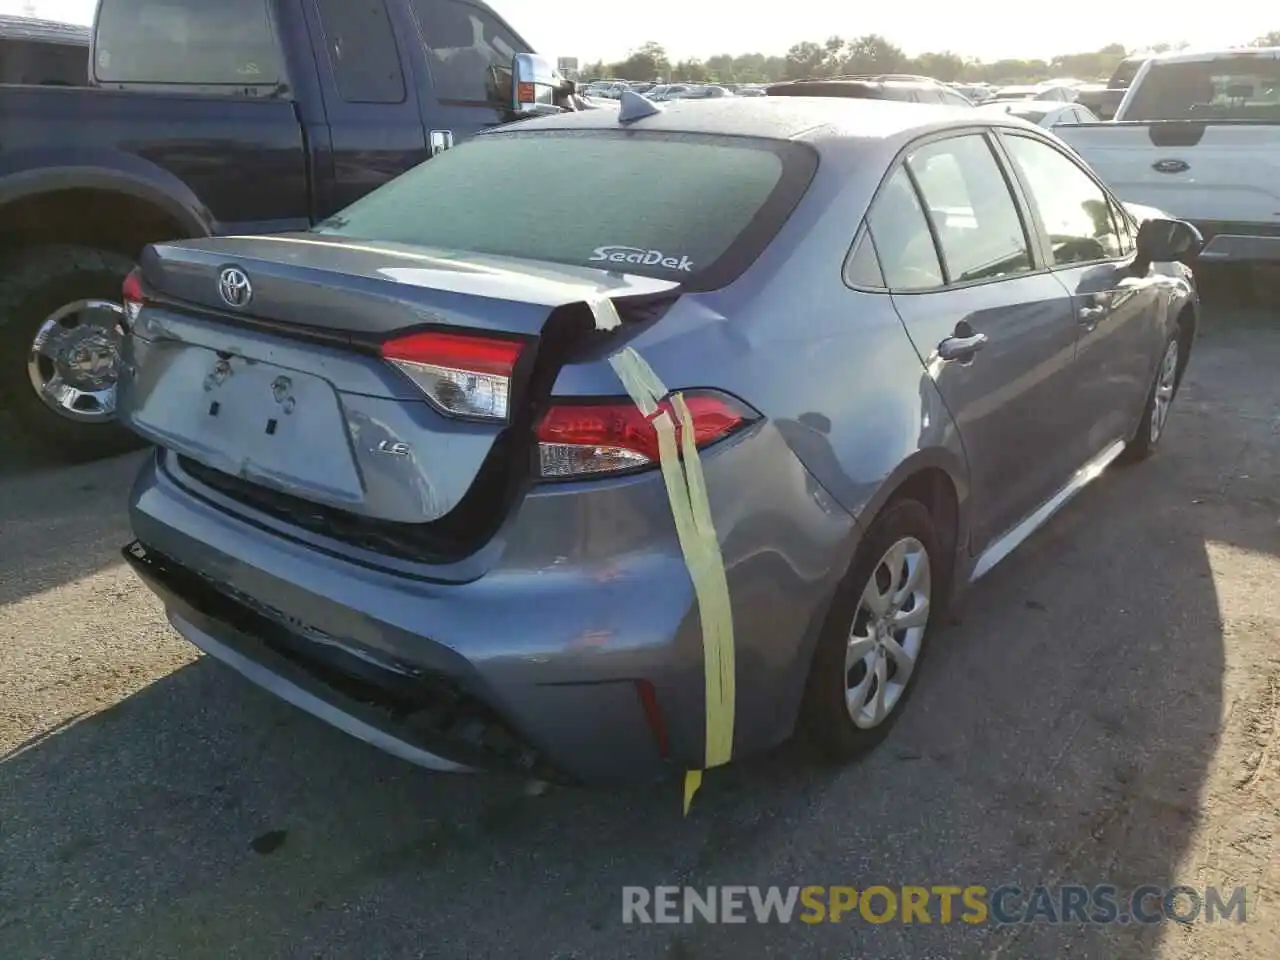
[459,42]
[375,124]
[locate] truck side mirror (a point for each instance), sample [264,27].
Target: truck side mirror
[537,86]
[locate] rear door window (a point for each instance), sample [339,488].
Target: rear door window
[194,42]
[362,50]
[979,229]
[862,269]
[908,258]
[684,207]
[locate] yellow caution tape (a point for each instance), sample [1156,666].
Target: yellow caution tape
[691,510]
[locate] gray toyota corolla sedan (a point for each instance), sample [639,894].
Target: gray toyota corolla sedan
[401,484]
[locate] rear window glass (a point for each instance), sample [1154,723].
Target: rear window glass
[196,42]
[682,207]
[1228,88]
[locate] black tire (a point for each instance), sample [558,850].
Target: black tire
[825,717]
[1143,445]
[33,285]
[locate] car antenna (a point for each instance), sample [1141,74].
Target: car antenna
[635,106]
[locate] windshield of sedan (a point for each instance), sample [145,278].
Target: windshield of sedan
[1227,88]
[692,208]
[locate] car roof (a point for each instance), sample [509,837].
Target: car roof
[1205,56]
[813,119]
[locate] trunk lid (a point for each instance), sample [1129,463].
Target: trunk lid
[287,396]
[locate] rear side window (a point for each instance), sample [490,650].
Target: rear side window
[462,41]
[898,226]
[691,208]
[862,269]
[978,226]
[362,50]
[195,42]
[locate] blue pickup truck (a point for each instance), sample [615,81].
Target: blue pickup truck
[203,118]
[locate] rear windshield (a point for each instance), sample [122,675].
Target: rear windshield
[1228,88]
[692,208]
[196,42]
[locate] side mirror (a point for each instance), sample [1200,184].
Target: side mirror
[1167,241]
[537,86]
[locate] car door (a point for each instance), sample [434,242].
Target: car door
[994,330]
[375,130]
[1090,250]
[460,42]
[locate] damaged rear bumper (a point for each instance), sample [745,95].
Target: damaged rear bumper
[574,655]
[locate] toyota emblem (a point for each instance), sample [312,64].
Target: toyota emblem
[234,287]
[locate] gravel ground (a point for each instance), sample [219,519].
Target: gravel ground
[1105,708]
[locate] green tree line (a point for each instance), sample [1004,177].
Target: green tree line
[871,53]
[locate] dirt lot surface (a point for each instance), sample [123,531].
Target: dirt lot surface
[1106,709]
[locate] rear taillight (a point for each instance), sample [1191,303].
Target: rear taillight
[581,440]
[131,296]
[464,375]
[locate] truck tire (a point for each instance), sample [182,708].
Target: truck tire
[59,351]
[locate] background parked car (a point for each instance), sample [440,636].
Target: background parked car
[669,91]
[1104,98]
[707,91]
[1036,92]
[911,89]
[1044,113]
[214,118]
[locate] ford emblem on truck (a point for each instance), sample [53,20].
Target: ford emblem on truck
[235,288]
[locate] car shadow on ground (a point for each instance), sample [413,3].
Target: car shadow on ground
[1062,732]
[53,525]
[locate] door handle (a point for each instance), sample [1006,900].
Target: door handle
[961,348]
[1091,315]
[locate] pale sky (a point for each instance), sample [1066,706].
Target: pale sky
[703,28]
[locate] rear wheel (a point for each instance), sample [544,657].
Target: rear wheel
[60,339]
[1155,416]
[869,654]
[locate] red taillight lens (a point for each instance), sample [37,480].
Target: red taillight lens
[131,296]
[464,375]
[576,440]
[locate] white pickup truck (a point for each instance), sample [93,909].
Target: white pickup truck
[1198,135]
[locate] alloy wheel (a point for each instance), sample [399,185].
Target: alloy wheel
[1166,384]
[887,633]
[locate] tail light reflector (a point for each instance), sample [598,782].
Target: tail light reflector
[131,296]
[464,375]
[580,440]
